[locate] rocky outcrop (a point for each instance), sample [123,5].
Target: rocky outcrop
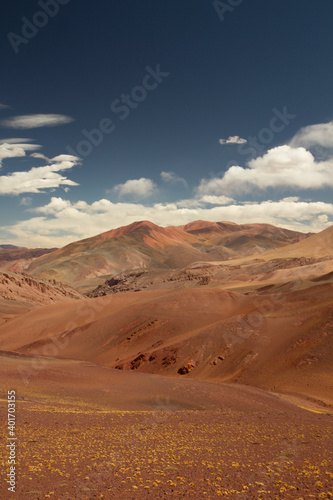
[24,288]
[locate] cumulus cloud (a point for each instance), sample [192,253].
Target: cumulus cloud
[282,166]
[62,221]
[234,139]
[39,179]
[35,121]
[56,206]
[320,134]
[139,188]
[15,150]
[172,178]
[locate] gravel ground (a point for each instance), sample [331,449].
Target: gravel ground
[68,452]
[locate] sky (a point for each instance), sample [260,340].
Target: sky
[114,112]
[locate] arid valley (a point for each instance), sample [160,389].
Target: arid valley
[179,362]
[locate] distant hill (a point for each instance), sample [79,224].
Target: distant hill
[16,253]
[144,245]
[7,247]
[17,259]
[317,245]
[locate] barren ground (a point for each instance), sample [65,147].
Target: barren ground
[88,432]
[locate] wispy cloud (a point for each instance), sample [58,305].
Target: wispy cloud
[172,178]
[8,150]
[26,201]
[140,188]
[15,140]
[4,106]
[39,179]
[40,156]
[35,121]
[234,139]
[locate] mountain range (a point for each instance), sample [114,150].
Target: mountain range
[219,301]
[144,245]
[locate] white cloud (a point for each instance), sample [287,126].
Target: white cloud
[56,206]
[35,121]
[141,188]
[216,200]
[8,150]
[64,158]
[61,221]
[188,203]
[38,179]
[3,106]
[40,156]
[200,201]
[234,139]
[282,166]
[320,134]
[15,140]
[291,198]
[26,201]
[172,178]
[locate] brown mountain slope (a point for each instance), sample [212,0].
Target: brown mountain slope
[244,237]
[275,269]
[16,259]
[250,276]
[314,246]
[21,293]
[279,341]
[317,245]
[144,245]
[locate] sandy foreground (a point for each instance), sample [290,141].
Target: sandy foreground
[86,431]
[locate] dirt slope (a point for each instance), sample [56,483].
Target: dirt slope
[317,245]
[280,341]
[20,293]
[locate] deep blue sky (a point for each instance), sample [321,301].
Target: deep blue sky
[225,78]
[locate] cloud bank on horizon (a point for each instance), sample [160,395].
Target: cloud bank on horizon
[291,167]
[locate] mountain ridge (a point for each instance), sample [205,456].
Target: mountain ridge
[145,245]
